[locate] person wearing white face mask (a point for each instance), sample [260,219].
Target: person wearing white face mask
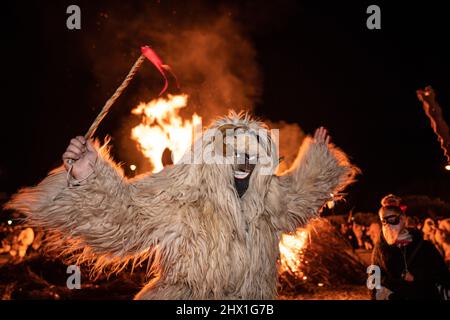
[411,268]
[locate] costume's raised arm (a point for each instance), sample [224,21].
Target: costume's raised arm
[319,170]
[104,218]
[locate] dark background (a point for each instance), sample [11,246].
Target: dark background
[320,65]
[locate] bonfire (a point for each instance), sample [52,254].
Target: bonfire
[308,257]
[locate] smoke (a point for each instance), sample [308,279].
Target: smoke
[290,138]
[216,65]
[206,47]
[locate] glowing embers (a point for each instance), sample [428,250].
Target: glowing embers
[292,248]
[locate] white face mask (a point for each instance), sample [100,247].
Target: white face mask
[391,232]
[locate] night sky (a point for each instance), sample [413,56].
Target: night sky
[319,65]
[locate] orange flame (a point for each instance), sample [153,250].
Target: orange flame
[162,127]
[291,251]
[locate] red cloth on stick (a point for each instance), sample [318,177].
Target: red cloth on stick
[151,55]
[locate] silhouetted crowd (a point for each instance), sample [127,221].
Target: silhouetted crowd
[410,258]
[437,231]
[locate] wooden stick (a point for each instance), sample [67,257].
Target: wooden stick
[90,133]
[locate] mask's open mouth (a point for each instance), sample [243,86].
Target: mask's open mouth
[238,174]
[244,168]
[242,172]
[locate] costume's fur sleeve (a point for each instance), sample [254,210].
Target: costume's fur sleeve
[318,171]
[107,219]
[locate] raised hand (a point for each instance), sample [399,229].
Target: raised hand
[321,136]
[82,154]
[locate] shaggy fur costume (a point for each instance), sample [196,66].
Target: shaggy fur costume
[202,241]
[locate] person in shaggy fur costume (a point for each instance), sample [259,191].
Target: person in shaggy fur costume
[208,230]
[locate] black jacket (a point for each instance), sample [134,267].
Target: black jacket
[423,261]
